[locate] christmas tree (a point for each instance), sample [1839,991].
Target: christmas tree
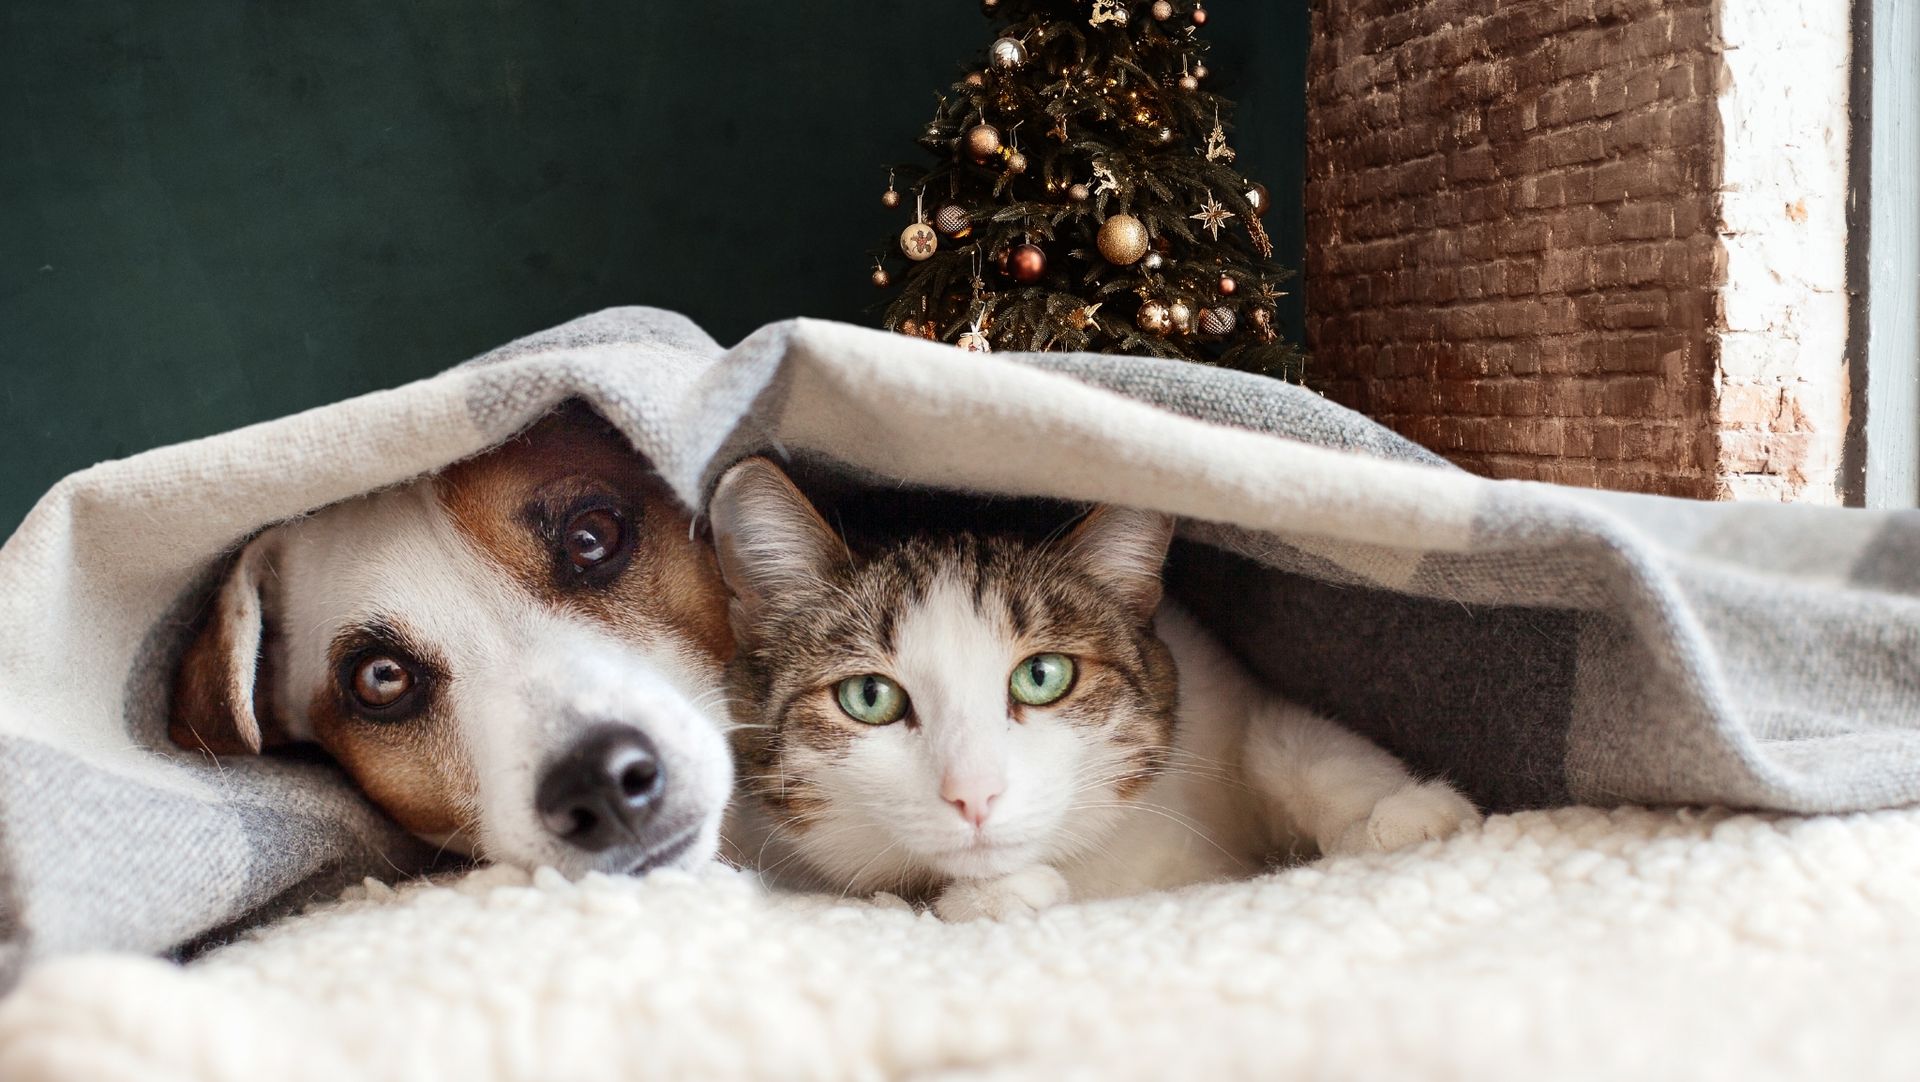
[1083,197]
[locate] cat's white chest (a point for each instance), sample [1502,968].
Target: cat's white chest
[1198,820]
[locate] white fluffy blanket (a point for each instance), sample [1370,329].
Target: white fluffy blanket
[1572,944]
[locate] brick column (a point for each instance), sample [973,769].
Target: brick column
[1516,247]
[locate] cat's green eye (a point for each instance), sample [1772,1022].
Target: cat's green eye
[1042,679]
[872,699]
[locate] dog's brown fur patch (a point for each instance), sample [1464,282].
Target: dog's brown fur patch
[671,587]
[414,769]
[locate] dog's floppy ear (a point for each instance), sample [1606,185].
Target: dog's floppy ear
[1123,548]
[214,692]
[768,536]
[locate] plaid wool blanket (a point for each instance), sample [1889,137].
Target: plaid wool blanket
[1538,645]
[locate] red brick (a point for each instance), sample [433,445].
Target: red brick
[1510,226]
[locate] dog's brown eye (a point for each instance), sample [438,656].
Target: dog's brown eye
[380,681]
[592,538]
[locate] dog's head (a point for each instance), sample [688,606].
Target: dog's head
[520,656]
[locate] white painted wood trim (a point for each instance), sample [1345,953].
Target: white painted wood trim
[1892,352]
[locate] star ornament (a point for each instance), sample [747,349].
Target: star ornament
[1212,216]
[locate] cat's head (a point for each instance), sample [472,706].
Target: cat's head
[953,706]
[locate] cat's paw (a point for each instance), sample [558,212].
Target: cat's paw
[1025,892]
[1417,813]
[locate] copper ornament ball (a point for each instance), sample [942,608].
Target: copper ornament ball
[1189,82]
[1181,313]
[1016,162]
[1217,321]
[1079,193]
[1007,53]
[1199,15]
[918,241]
[975,79]
[910,327]
[1154,318]
[889,198]
[1162,10]
[881,278]
[983,142]
[1199,71]
[1027,263]
[952,220]
[1260,198]
[1228,285]
[1122,240]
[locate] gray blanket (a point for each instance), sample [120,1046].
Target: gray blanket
[1538,645]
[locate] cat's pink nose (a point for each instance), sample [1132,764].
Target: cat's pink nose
[971,797]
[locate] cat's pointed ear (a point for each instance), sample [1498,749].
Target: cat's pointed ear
[1124,549]
[768,537]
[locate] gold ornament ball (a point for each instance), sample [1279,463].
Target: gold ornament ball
[918,241]
[1199,71]
[1027,263]
[881,278]
[1007,54]
[1260,198]
[1189,82]
[1217,321]
[952,220]
[983,142]
[1199,15]
[889,198]
[1122,240]
[1181,313]
[989,7]
[1162,10]
[1016,162]
[975,342]
[1079,193]
[1228,285]
[1154,318]
[975,79]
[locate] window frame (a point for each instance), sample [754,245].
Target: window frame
[1883,454]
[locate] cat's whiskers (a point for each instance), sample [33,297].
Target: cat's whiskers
[1171,816]
[855,877]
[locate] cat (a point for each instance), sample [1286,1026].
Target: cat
[998,724]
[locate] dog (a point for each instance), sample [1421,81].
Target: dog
[519,657]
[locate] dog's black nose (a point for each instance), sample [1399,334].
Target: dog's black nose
[603,790]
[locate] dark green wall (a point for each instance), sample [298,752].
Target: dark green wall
[215,211]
